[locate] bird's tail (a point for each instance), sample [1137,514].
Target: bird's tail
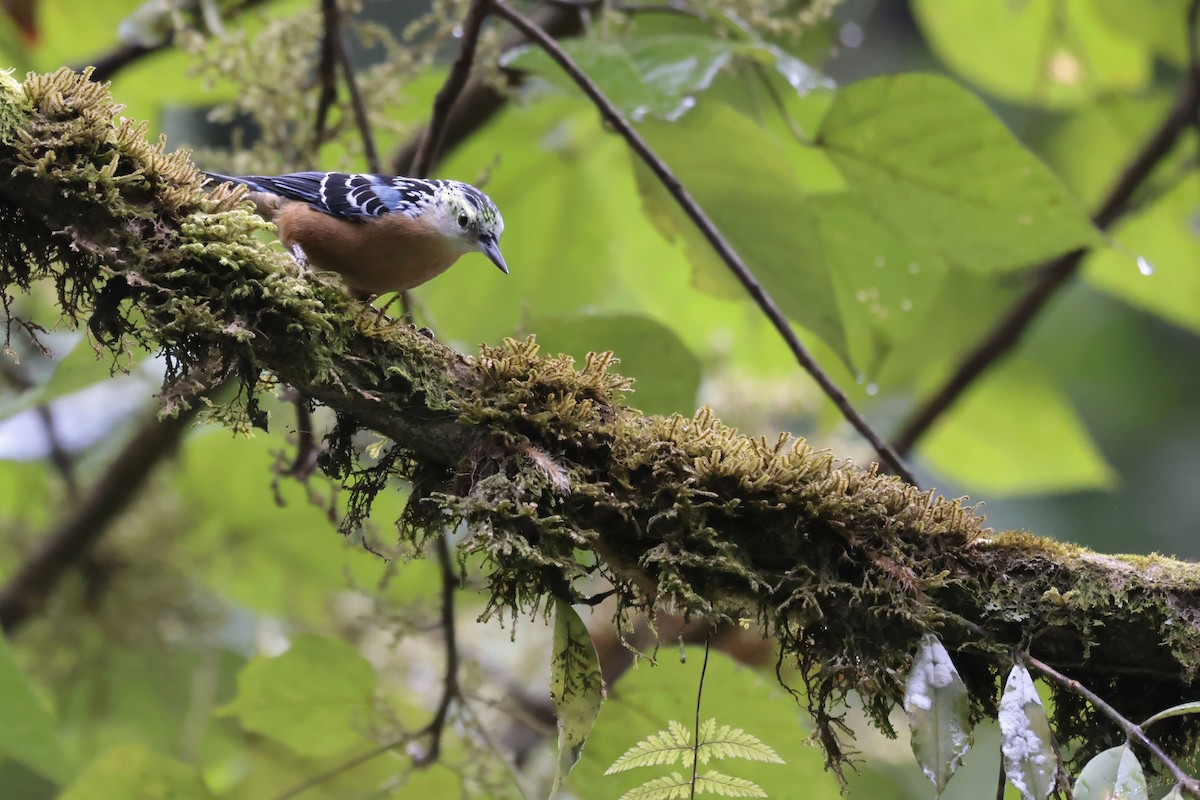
[249,181]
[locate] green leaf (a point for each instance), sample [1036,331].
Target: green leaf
[667,373]
[1159,25]
[659,76]
[29,734]
[713,782]
[1176,793]
[1114,774]
[933,164]
[653,696]
[1163,235]
[886,282]
[315,698]
[1015,433]
[1042,52]
[667,746]
[1174,711]
[575,687]
[132,772]
[78,369]
[938,709]
[747,181]
[668,787]
[1030,762]
[727,741]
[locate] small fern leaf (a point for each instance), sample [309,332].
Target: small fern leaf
[729,742]
[671,787]
[660,748]
[714,782]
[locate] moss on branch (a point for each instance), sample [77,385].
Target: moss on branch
[556,478]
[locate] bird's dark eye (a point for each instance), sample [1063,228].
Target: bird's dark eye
[463,220]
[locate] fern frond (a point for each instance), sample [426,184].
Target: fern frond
[727,786]
[657,749]
[671,787]
[730,742]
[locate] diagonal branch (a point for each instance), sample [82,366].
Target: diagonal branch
[92,516]
[668,510]
[718,242]
[443,103]
[1012,326]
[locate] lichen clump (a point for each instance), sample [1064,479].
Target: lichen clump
[134,247]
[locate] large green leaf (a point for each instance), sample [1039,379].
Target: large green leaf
[660,75]
[1114,774]
[748,183]
[1015,433]
[648,697]
[315,698]
[132,772]
[1159,25]
[667,372]
[1043,52]
[932,163]
[1163,236]
[576,688]
[282,561]
[28,732]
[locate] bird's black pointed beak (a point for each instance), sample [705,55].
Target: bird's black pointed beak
[491,249]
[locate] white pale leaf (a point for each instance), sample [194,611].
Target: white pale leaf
[938,713]
[1174,794]
[1114,774]
[575,687]
[1029,760]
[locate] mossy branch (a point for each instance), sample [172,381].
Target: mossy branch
[555,477]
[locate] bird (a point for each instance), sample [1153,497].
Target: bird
[381,233]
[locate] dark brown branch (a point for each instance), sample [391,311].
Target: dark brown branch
[732,260]
[1131,729]
[107,65]
[62,548]
[327,69]
[479,100]
[1012,326]
[460,71]
[358,104]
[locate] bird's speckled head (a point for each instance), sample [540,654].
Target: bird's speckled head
[461,212]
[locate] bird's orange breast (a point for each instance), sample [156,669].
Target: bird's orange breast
[386,254]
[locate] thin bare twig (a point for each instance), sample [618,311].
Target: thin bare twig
[359,105]
[732,260]
[1013,325]
[450,688]
[89,519]
[1131,729]
[696,726]
[460,71]
[345,766]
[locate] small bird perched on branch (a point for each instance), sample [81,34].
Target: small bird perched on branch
[381,233]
